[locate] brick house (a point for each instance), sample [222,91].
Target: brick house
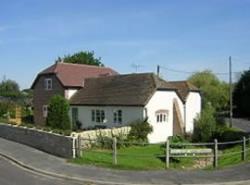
[61,79]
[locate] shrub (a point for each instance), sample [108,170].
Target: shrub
[176,140]
[3,109]
[58,117]
[204,125]
[102,141]
[7,109]
[106,142]
[27,115]
[224,134]
[139,131]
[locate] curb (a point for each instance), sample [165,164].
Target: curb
[226,183]
[86,180]
[66,177]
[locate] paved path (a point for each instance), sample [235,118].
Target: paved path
[10,174]
[242,124]
[50,164]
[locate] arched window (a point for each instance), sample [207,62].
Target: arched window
[162,116]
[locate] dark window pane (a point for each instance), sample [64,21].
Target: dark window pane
[93,115]
[120,116]
[98,116]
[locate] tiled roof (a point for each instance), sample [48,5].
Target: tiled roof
[184,87]
[73,75]
[129,90]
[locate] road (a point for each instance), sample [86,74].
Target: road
[242,124]
[10,174]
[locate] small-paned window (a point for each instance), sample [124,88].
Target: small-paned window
[98,116]
[117,116]
[162,116]
[48,84]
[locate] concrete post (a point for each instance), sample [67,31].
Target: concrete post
[78,147]
[215,153]
[167,154]
[114,151]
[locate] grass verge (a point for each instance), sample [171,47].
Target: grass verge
[150,157]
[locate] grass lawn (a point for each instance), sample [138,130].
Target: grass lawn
[233,159]
[150,157]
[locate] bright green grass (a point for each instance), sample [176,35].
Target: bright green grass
[150,157]
[233,159]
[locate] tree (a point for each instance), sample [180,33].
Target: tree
[82,57]
[204,125]
[241,95]
[9,88]
[213,90]
[58,113]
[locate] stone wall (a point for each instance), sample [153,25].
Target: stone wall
[55,144]
[87,138]
[93,134]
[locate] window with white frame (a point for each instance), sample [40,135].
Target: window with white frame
[117,116]
[48,84]
[162,116]
[98,116]
[45,111]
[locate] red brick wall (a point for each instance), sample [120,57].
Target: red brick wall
[42,96]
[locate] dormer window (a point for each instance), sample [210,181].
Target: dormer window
[48,84]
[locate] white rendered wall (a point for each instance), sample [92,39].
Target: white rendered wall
[162,100]
[69,93]
[193,108]
[129,114]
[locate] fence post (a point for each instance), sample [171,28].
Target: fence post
[167,154]
[74,147]
[215,153]
[244,156]
[114,151]
[79,150]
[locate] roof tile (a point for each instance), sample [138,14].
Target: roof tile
[73,75]
[129,90]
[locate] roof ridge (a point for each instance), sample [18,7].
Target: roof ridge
[52,67]
[178,81]
[86,65]
[122,75]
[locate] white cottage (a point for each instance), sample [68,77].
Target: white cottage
[116,101]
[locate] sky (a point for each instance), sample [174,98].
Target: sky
[179,35]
